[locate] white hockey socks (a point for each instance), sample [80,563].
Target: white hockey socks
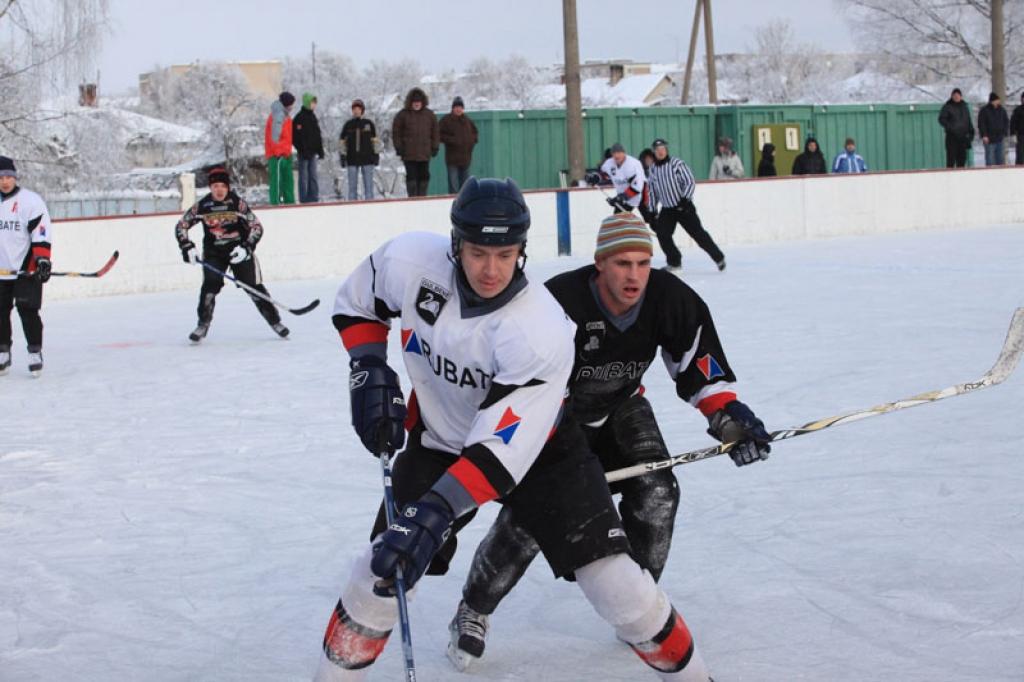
[626,596]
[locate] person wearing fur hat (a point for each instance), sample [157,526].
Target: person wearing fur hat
[231,232]
[25,236]
[416,137]
[993,127]
[459,135]
[626,314]
[726,165]
[277,145]
[955,119]
[310,147]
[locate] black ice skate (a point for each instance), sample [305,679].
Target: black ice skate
[280,330]
[35,363]
[199,333]
[5,361]
[468,634]
[721,265]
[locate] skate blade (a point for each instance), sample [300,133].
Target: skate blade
[460,659]
[35,373]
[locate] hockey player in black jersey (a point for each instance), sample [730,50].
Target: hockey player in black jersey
[489,355]
[231,232]
[624,312]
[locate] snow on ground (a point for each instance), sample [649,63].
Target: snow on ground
[170,512]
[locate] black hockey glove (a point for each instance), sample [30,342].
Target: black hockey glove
[378,409]
[736,423]
[620,202]
[189,253]
[593,179]
[412,540]
[43,269]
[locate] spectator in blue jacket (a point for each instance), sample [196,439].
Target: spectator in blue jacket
[849,161]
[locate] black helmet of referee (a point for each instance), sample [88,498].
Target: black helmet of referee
[489,212]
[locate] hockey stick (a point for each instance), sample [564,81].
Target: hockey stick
[259,294]
[403,603]
[1010,354]
[99,273]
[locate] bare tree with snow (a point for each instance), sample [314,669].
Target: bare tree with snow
[948,41]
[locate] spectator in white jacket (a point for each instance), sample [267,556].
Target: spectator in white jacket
[727,164]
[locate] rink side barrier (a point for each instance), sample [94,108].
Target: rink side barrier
[329,240]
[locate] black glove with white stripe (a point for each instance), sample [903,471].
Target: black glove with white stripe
[737,423]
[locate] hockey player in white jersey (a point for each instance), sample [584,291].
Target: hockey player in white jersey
[629,179]
[25,235]
[489,355]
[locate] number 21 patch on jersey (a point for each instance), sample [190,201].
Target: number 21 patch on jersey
[430,300]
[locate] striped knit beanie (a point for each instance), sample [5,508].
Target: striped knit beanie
[623,232]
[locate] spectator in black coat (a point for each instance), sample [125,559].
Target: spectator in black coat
[310,146]
[766,168]
[993,126]
[811,161]
[359,151]
[955,119]
[1017,128]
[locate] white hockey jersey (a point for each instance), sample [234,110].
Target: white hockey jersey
[488,387]
[628,179]
[24,226]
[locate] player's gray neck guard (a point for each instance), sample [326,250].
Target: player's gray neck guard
[473,305]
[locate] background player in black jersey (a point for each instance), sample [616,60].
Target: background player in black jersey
[623,312]
[231,232]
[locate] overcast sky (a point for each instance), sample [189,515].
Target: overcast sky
[441,34]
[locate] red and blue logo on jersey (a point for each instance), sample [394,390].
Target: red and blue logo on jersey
[411,342]
[709,367]
[507,426]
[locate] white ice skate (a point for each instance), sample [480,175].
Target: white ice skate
[35,363]
[5,361]
[468,635]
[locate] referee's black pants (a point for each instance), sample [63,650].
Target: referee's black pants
[684,214]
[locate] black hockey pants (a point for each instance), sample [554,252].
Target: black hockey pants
[27,294]
[686,215]
[247,272]
[648,509]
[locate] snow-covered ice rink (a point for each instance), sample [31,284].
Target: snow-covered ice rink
[170,512]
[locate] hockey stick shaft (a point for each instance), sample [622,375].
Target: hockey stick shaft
[259,294]
[1007,361]
[403,603]
[98,273]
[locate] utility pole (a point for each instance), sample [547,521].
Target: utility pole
[697,7]
[573,96]
[709,43]
[998,51]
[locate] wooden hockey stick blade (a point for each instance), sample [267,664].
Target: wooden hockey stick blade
[305,309]
[1009,357]
[99,273]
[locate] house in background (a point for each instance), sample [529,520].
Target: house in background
[264,78]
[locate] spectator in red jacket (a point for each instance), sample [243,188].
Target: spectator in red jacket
[277,145]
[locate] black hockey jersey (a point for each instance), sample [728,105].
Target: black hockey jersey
[610,362]
[226,224]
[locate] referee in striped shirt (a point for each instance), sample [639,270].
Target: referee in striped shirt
[672,186]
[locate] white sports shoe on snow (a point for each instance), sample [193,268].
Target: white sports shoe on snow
[5,361]
[35,363]
[468,634]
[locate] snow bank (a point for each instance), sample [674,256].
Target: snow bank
[328,240]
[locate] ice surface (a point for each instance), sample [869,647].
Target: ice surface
[170,512]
